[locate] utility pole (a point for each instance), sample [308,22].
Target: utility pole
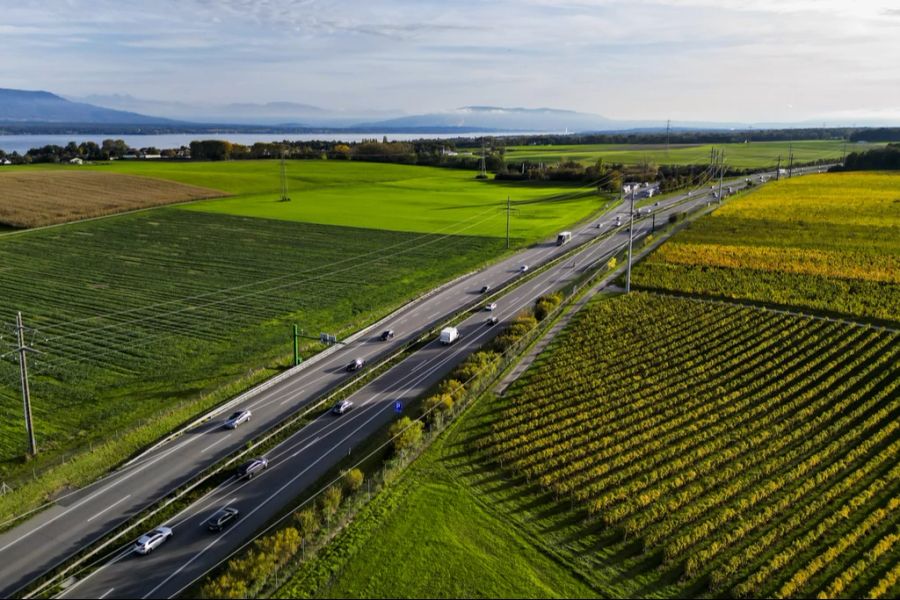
[778,169]
[23,376]
[721,173]
[843,151]
[791,162]
[297,359]
[630,241]
[507,221]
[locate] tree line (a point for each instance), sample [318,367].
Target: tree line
[876,159]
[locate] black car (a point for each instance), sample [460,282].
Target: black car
[387,335]
[253,467]
[222,518]
[485,289]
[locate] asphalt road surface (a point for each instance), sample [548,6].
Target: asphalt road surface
[77,520]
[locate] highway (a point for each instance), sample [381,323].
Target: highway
[45,540]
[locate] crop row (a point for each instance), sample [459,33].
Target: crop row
[721,437]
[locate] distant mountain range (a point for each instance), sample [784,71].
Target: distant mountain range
[38,111]
[21,106]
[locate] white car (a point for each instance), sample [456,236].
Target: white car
[490,307]
[149,542]
[523,268]
[238,418]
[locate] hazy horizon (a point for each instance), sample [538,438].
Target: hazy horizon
[696,60]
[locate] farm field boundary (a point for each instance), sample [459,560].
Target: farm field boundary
[36,198]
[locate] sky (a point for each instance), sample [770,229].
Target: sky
[726,60]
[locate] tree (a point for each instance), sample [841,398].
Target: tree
[406,434]
[437,405]
[281,545]
[454,388]
[211,150]
[308,521]
[353,480]
[331,501]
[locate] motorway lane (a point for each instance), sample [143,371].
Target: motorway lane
[304,458]
[73,523]
[80,518]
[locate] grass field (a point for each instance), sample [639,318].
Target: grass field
[137,312]
[376,195]
[661,448]
[137,315]
[752,155]
[32,198]
[828,242]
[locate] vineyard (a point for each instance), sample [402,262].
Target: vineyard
[136,313]
[826,242]
[743,452]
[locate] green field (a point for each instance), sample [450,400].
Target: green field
[377,195]
[660,448]
[828,242]
[136,312]
[752,155]
[143,314]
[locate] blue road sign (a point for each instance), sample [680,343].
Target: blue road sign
[398,406]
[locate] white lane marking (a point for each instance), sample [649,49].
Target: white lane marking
[270,497]
[289,398]
[316,439]
[218,441]
[109,507]
[107,593]
[90,497]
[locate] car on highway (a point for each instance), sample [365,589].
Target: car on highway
[149,542]
[356,365]
[254,467]
[237,418]
[492,321]
[490,307]
[341,407]
[221,518]
[485,289]
[523,268]
[600,225]
[387,335]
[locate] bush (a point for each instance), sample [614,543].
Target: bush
[353,480]
[437,405]
[406,434]
[308,521]
[331,501]
[480,363]
[546,305]
[454,388]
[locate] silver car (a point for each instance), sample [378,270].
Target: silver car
[491,307]
[238,418]
[149,542]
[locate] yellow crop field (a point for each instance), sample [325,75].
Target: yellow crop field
[858,198]
[829,242]
[44,197]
